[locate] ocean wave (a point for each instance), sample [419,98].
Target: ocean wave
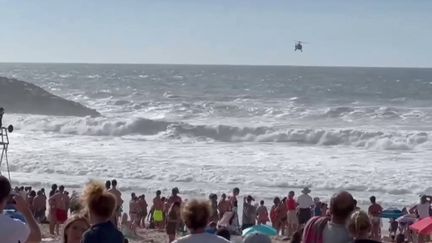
[102,126]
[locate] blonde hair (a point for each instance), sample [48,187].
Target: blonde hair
[359,223]
[98,201]
[71,221]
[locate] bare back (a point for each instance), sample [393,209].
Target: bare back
[117,195]
[158,204]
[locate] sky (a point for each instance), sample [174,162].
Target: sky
[394,33]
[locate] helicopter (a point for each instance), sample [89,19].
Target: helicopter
[299,45]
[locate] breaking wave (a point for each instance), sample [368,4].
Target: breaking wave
[103,126]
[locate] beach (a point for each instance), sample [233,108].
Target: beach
[152,236]
[207,129]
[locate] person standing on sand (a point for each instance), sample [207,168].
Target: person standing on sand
[374,212]
[51,212]
[262,214]
[305,204]
[156,211]
[223,205]
[234,207]
[214,206]
[422,210]
[333,230]
[39,207]
[30,197]
[292,220]
[275,215]
[360,227]
[233,198]
[173,220]
[283,210]
[174,197]
[133,209]
[117,194]
[142,211]
[249,213]
[59,200]
[195,215]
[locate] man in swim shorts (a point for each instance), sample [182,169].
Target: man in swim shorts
[119,201]
[374,212]
[157,211]
[59,201]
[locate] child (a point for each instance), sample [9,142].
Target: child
[393,229]
[262,214]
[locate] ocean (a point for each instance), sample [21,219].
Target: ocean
[265,129]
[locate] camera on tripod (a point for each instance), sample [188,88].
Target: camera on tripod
[4,141]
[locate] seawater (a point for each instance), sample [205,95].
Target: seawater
[207,129]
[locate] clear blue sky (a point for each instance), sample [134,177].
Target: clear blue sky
[344,32]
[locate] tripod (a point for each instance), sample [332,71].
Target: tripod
[4,143]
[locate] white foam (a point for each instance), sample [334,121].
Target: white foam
[201,168]
[103,126]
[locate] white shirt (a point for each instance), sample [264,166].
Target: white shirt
[305,201]
[423,210]
[336,233]
[201,238]
[13,230]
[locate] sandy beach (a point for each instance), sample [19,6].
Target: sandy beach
[147,236]
[155,236]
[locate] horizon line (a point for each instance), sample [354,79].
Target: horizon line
[218,64]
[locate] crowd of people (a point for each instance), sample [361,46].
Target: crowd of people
[97,216]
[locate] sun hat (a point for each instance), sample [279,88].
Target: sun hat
[306,190]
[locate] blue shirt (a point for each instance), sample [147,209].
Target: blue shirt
[317,211]
[103,233]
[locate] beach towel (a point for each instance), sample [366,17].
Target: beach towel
[313,231]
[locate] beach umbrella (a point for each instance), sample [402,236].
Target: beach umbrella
[260,229]
[407,218]
[423,227]
[391,213]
